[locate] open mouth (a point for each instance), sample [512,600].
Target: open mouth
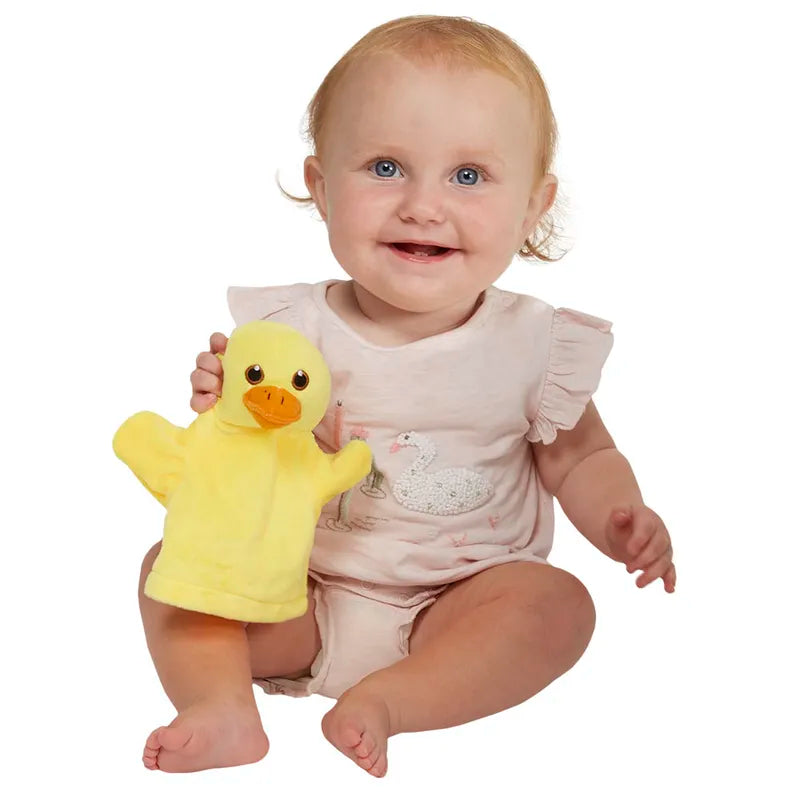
[422,252]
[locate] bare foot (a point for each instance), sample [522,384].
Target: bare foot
[359,726]
[210,734]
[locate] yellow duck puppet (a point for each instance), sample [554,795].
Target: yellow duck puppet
[244,484]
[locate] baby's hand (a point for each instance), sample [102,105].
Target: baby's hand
[637,536]
[207,378]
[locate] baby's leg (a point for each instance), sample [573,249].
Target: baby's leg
[489,642]
[206,665]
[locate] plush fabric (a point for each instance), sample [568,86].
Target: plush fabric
[244,484]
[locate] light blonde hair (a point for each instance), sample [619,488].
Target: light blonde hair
[450,42]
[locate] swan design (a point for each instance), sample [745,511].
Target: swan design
[454,490]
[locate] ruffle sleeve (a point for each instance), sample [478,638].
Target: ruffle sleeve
[579,346]
[269,302]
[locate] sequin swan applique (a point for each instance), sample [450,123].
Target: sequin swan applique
[454,490]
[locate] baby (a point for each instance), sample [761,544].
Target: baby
[431,601]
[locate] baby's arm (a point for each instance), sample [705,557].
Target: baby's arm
[597,490]
[207,378]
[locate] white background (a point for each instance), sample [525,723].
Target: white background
[140,143]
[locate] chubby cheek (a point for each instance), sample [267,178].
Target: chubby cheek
[507,227]
[487,230]
[355,215]
[349,235]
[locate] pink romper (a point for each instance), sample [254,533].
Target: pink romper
[454,489]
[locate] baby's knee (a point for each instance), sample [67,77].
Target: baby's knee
[579,616]
[577,605]
[557,598]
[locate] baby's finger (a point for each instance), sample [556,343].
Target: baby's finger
[202,401]
[643,531]
[670,579]
[210,363]
[218,342]
[205,382]
[655,548]
[655,570]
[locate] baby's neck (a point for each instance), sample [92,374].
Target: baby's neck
[387,325]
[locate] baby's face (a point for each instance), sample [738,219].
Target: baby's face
[421,154]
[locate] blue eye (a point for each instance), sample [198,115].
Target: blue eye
[472,175]
[384,163]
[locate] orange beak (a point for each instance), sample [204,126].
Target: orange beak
[271,406]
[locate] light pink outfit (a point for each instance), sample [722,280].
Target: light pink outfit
[454,489]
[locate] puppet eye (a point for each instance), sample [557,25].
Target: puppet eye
[300,380]
[254,374]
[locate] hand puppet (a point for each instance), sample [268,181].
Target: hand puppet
[244,484]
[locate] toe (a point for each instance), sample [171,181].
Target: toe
[366,763]
[351,735]
[365,748]
[379,770]
[370,756]
[151,749]
[375,764]
[175,736]
[153,742]
[151,762]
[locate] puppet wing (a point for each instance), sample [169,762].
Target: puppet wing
[153,448]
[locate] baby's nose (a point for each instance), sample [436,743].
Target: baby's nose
[423,202]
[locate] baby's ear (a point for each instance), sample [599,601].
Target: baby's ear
[315,183]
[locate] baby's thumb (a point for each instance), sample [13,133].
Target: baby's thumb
[620,516]
[218,343]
